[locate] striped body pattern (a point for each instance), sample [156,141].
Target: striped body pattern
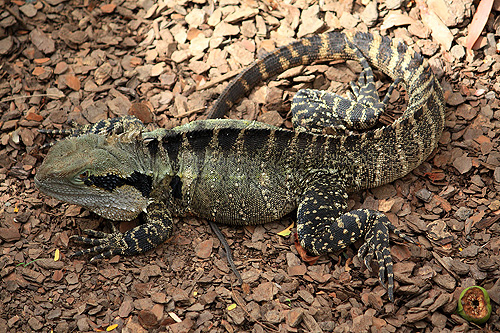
[242,172]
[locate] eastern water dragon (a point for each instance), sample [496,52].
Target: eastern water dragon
[245,172]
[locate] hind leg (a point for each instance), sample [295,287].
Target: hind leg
[324,225]
[315,110]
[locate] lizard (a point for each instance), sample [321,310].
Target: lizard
[244,172]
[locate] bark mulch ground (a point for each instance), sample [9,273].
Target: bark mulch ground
[64,62]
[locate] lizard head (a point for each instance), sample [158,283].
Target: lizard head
[99,174]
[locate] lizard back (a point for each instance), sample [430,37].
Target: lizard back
[380,155]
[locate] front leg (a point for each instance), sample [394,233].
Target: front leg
[145,237]
[323,225]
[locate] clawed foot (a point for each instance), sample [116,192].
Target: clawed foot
[104,244]
[377,245]
[364,90]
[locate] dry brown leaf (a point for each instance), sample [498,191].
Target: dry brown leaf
[386,205]
[435,176]
[473,220]
[73,210]
[58,275]
[478,22]
[303,253]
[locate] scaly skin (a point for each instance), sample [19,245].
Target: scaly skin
[240,172]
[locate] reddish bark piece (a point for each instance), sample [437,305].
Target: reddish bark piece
[27,136]
[73,82]
[485,223]
[157,310]
[265,292]
[9,234]
[204,249]
[38,71]
[311,260]
[439,30]
[58,275]
[125,308]
[400,252]
[108,8]
[42,41]
[41,60]
[297,270]
[294,317]
[142,112]
[147,319]
[182,327]
[135,61]
[61,67]
[193,33]
[34,116]
[110,273]
[482,139]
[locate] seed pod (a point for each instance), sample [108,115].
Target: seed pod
[474,305]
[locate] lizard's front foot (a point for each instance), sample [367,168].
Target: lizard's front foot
[144,237]
[104,244]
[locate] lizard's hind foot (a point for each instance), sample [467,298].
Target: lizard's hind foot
[377,245]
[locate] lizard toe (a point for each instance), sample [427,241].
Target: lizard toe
[402,235]
[377,246]
[104,245]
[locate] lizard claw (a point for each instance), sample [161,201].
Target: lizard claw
[104,244]
[377,245]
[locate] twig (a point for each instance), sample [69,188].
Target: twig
[219,79]
[188,113]
[8,99]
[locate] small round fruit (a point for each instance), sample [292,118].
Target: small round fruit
[474,305]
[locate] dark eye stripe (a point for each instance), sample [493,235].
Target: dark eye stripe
[143,183]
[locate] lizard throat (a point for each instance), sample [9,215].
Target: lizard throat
[143,183]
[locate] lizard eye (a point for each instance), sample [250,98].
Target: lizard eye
[83,175]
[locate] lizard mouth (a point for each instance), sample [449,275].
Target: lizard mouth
[121,204]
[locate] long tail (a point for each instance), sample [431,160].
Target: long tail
[401,146]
